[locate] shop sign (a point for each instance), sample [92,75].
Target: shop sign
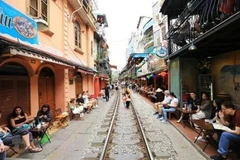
[162,50]
[17,25]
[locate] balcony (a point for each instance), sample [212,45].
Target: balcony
[84,9]
[210,32]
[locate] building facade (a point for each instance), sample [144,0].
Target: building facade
[47,53]
[203,53]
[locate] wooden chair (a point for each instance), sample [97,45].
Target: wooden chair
[61,118]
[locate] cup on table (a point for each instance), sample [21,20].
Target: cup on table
[184,106]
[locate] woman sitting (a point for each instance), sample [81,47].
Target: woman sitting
[20,127]
[44,115]
[2,150]
[171,107]
[76,108]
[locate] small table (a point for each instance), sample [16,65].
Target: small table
[185,115]
[40,132]
[206,128]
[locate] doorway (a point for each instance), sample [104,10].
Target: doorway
[79,83]
[46,89]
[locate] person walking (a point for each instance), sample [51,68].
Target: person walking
[107,93]
[128,98]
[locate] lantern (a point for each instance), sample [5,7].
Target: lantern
[163,74]
[150,55]
[154,75]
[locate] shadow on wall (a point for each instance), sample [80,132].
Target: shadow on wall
[228,75]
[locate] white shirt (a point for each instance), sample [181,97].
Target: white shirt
[85,97]
[174,101]
[167,99]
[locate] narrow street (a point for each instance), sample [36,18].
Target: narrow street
[73,142]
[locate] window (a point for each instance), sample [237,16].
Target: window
[39,8]
[77,35]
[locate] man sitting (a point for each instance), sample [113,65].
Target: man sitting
[233,134]
[205,109]
[166,101]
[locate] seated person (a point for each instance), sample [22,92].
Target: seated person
[205,109]
[92,100]
[171,107]
[193,102]
[44,115]
[75,108]
[82,100]
[2,150]
[20,131]
[233,134]
[159,98]
[216,119]
[166,101]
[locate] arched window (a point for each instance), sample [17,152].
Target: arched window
[77,34]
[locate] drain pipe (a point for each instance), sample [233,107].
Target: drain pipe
[81,2]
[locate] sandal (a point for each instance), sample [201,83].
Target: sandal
[37,149]
[33,150]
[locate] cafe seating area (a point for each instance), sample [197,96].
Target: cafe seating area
[185,126]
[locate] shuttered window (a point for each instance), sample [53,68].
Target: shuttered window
[14,91]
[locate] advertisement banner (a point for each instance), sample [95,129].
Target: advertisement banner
[15,24]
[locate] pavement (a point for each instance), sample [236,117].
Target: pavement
[69,143]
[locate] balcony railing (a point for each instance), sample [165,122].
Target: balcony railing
[197,18]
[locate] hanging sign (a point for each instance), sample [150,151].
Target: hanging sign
[162,50]
[17,25]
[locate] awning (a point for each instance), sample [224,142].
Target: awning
[85,71]
[101,75]
[12,47]
[173,8]
[13,51]
[160,70]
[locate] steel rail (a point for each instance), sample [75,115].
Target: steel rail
[110,129]
[143,134]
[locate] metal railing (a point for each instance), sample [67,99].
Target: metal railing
[191,8]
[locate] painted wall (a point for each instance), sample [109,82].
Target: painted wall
[223,74]
[175,80]
[59,27]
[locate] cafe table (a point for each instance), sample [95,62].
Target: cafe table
[40,131]
[185,116]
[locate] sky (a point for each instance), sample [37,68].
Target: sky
[122,17]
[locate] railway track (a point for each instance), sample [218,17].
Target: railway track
[125,138]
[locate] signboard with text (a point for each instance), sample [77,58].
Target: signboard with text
[17,25]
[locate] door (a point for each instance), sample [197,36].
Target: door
[79,85]
[46,90]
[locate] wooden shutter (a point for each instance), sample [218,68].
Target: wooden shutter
[14,91]
[78,85]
